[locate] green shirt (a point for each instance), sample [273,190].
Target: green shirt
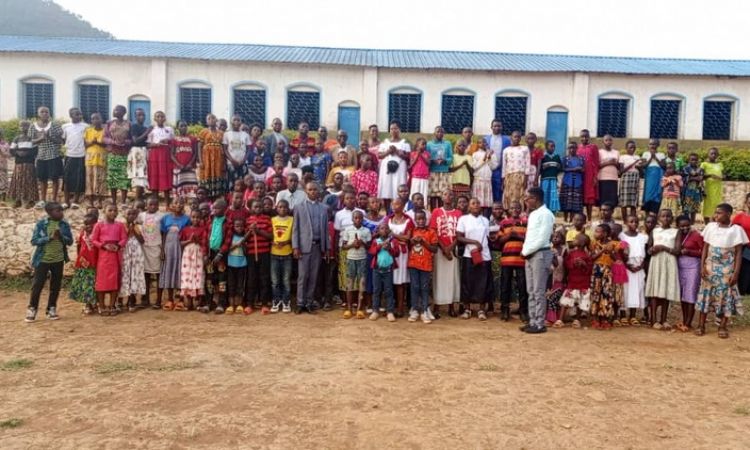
[53,250]
[679,162]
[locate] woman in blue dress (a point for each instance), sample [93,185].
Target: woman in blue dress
[571,191]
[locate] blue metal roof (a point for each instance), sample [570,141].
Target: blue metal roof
[393,59]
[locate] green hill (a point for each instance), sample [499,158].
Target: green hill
[44,18]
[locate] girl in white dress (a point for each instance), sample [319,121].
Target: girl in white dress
[395,151]
[663,283]
[401,227]
[483,162]
[633,294]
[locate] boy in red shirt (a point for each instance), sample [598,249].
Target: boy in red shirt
[511,235]
[258,250]
[578,268]
[237,209]
[423,245]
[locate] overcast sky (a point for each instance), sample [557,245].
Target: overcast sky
[665,28]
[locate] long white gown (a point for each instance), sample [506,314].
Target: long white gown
[388,183]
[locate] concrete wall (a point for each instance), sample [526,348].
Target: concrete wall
[159,80]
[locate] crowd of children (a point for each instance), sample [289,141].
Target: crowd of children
[232,251]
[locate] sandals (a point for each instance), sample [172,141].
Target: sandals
[265,310]
[682,327]
[247,311]
[700,331]
[169,306]
[559,324]
[576,324]
[616,323]
[360,314]
[624,322]
[180,306]
[657,326]
[635,322]
[481,315]
[347,314]
[723,333]
[230,310]
[203,309]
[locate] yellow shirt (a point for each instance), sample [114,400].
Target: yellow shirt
[96,155]
[571,234]
[282,231]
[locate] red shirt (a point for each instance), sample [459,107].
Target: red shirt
[693,243]
[578,277]
[420,257]
[511,256]
[87,254]
[294,145]
[365,181]
[253,242]
[444,223]
[190,232]
[232,214]
[742,219]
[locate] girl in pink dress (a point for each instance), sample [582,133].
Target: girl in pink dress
[193,239]
[184,154]
[419,169]
[109,237]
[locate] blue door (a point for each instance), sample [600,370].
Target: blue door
[557,130]
[145,105]
[349,122]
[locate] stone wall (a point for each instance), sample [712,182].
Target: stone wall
[17,225]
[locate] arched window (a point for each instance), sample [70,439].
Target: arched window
[457,110]
[718,116]
[303,104]
[36,91]
[405,105]
[249,102]
[665,116]
[511,107]
[195,101]
[93,97]
[613,114]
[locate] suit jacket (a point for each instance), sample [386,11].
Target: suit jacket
[302,236]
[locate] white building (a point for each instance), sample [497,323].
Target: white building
[554,96]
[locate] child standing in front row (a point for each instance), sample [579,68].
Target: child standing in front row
[258,251]
[109,237]
[192,273]
[150,221]
[234,248]
[578,268]
[216,286]
[663,284]
[559,251]
[281,258]
[384,252]
[133,262]
[602,289]
[355,239]
[51,238]
[633,298]
[169,278]
[82,284]
[423,247]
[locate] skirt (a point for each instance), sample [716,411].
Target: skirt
[663,280]
[692,200]
[608,192]
[152,259]
[514,189]
[715,290]
[571,199]
[482,190]
[133,275]
[185,183]
[463,189]
[343,278]
[169,277]
[108,268]
[551,197]
[96,181]
[446,282]
[23,185]
[602,293]
[82,286]
[629,189]
[478,281]
[420,185]
[74,175]
[672,204]
[439,182]
[117,172]
[401,273]
[212,170]
[159,169]
[633,290]
[192,275]
[690,277]
[652,189]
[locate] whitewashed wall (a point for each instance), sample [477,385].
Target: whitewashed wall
[159,80]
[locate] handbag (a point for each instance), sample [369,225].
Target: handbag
[476,257]
[619,273]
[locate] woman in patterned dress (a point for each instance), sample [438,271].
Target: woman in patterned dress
[133,262]
[159,160]
[211,156]
[118,141]
[184,155]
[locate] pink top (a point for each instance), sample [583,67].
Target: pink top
[365,181]
[109,233]
[421,168]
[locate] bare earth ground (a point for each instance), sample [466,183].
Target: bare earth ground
[185,380]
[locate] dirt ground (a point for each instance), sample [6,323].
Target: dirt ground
[161,380]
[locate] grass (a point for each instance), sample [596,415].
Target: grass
[13,422]
[16,364]
[742,410]
[22,283]
[489,368]
[114,367]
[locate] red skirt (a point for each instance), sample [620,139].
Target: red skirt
[108,268]
[159,169]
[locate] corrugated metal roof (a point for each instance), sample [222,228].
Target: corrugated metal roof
[395,59]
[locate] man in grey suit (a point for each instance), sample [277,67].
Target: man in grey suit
[310,241]
[272,140]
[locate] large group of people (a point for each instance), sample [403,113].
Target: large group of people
[382,228]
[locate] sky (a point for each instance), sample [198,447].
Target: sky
[650,28]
